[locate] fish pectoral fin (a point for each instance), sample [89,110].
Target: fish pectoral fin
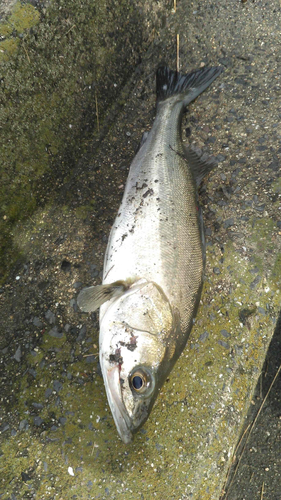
[200,163]
[91,298]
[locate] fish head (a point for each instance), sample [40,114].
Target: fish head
[136,354]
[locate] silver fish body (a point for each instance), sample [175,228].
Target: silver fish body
[154,262]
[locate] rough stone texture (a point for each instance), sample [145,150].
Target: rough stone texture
[58,437]
[6,7]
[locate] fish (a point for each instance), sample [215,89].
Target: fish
[155,258]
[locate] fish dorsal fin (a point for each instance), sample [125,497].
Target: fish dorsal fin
[91,298]
[200,163]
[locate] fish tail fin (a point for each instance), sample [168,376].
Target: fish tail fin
[169,83]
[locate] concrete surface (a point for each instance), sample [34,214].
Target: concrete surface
[58,438]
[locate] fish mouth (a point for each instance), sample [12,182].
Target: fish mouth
[119,412]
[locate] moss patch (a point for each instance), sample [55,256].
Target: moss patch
[22,18]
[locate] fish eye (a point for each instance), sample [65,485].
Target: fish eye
[139,381]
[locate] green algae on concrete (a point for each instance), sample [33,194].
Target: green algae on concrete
[22,18]
[276,271]
[71,446]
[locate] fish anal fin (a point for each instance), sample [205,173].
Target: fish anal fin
[142,141]
[200,163]
[92,297]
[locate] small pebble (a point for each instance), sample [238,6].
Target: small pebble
[50,317]
[54,332]
[255,282]
[82,334]
[32,372]
[203,336]
[38,421]
[70,471]
[23,425]
[260,208]
[73,304]
[4,427]
[77,284]
[48,393]
[37,405]
[224,344]
[90,359]
[220,158]
[57,385]
[17,355]
[225,333]
[37,322]
[228,223]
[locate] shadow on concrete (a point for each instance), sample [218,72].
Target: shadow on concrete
[256,469]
